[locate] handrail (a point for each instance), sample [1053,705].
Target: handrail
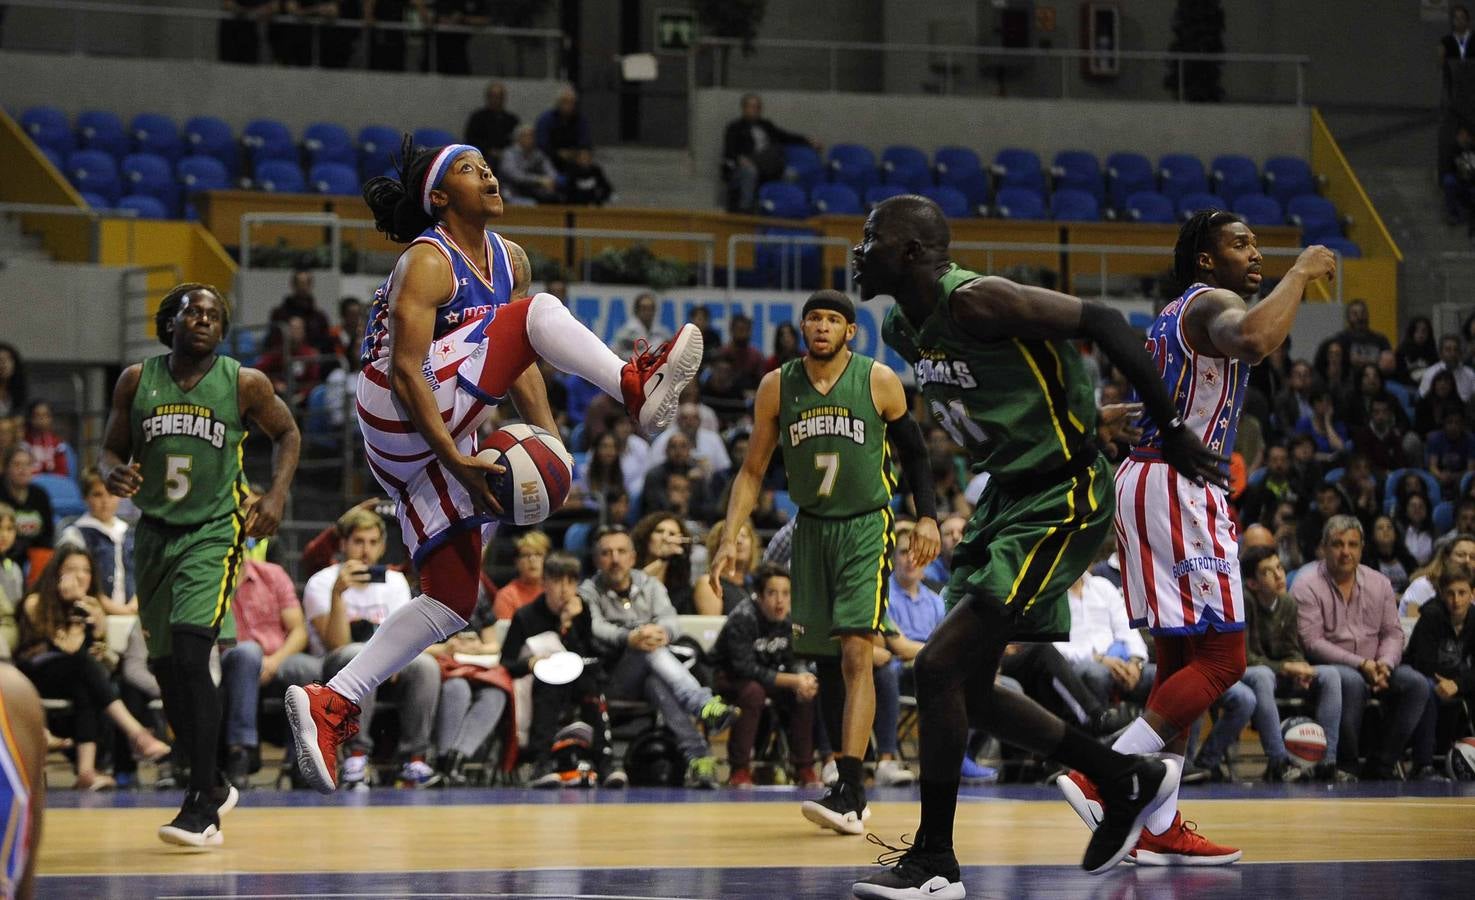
[58,209]
[815,240]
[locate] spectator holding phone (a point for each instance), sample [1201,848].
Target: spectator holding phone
[344,604]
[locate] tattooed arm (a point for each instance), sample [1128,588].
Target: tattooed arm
[522,270]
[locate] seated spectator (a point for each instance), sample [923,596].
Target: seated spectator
[344,604]
[62,640]
[585,183]
[1335,373]
[663,551]
[1381,439]
[48,450]
[675,462]
[1417,351]
[560,611]
[785,346]
[473,696]
[1442,648]
[634,623]
[302,303]
[642,326]
[725,391]
[348,335]
[524,173]
[1411,517]
[940,569]
[1348,618]
[109,542]
[10,434]
[532,549]
[1360,344]
[270,652]
[1367,386]
[1330,501]
[1457,553]
[708,453]
[1104,649]
[1276,667]
[1361,488]
[292,365]
[1278,485]
[490,128]
[1442,398]
[12,585]
[754,661]
[1386,553]
[1451,350]
[1450,452]
[34,526]
[1048,678]
[1293,403]
[738,583]
[563,130]
[1324,426]
[752,153]
[13,393]
[602,472]
[747,360]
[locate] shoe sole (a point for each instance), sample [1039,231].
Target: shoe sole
[953,890]
[310,762]
[1149,858]
[1164,790]
[1089,810]
[231,799]
[682,363]
[181,838]
[824,817]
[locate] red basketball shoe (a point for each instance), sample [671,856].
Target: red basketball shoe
[321,719]
[652,380]
[1181,845]
[1082,796]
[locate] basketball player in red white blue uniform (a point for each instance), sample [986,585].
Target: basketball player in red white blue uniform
[22,782]
[451,334]
[1178,547]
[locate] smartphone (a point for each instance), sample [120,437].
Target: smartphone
[376,573]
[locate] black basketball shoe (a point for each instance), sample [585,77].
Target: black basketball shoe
[842,808]
[917,873]
[196,825]
[1126,802]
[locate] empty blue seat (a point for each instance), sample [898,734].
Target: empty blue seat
[1348,248]
[150,175]
[954,202]
[156,134]
[201,173]
[377,144]
[1234,175]
[1149,206]
[209,136]
[784,200]
[147,207]
[1070,205]
[878,192]
[280,176]
[1018,168]
[333,178]
[99,129]
[55,158]
[1190,203]
[803,166]
[433,137]
[774,260]
[954,164]
[977,187]
[1078,170]
[94,200]
[48,127]
[835,199]
[906,165]
[854,165]
[1259,210]
[1316,216]
[95,172]
[66,497]
[1128,174]
[1020,203]
[1287,177]
[1182,174]
[268,139]
[326,142]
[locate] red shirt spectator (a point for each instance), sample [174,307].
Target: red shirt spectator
[265,594]
[48,451]
[746,359]
[532,549]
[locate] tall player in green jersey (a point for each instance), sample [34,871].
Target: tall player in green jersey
[831,412]
[996,368]
[174,444]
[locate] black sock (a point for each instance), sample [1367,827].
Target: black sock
[939,806]
[850,771]
[201,705]
[1084,753]
[175,708]
[832,701]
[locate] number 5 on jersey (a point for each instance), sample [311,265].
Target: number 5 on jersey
[176,476]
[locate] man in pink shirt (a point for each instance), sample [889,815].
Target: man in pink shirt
[1348,618]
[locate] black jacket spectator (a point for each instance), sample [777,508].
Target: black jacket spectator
[536,618]
[490,128]
[750,647]
[563,130]
[33,517]
[301,303]
[1435,649]
[585,183]
[1417,351]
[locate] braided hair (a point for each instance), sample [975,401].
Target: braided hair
[169,308]
[1195,237]
[393,201]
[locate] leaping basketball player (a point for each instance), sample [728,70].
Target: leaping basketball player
[1178,546]
[447,340]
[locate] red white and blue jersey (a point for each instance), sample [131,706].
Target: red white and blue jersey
[1176,542]
[15,803]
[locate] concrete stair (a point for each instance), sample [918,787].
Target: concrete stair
[657,177]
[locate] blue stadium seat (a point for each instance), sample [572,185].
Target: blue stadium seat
[1190,203]
[55,158]
[576,539]
[147,207]
[209,136]
[1128,174]
[1017,168]
[785,504]
[150,175]
[268,139]
[317,423]
[1405,397]
[326,142]
[954,202]
[333,178]
[101,130]
[1444,517]
[803,166]
[66,497]
[156,134]
[835,199]
[1078,170]
[1287,177]
[876,193]
[1182,174]
[977,187]
[1348,248]
[201,173]
[96,201]
[95,172]
[782,200]
[1315,215]
[773,260]
[854,165]
[1332,476]
[954,164]
[433,137]
[1234,175]
[1020,203]
[48,127]
[1390,487]
[907,166]
[1259,209]
[377,145]
[1069,205]
[279,176]
[1149,206]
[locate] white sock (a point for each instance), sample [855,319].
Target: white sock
[564,341]
[1138,738]
[1161,818]
[402,637]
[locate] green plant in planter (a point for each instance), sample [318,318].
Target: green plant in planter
[636,264]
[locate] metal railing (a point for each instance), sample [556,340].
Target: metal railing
[791,260]
[94,217]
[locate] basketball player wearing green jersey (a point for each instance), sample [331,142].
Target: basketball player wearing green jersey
[996,368]
[174,444]
[831,412]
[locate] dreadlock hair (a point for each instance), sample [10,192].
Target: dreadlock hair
[169,308]
[395,202]
[1195,237]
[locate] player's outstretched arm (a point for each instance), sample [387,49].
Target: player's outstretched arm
[904,432]
[122,478]
[1219,324]
[260,403]
[749,479]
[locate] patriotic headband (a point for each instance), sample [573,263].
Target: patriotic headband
[437,171]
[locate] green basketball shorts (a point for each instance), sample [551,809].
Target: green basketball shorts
[186,577]
[840,571]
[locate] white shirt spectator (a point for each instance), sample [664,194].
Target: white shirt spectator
[634,330]
[634,463]
[707,450]
[371,603]
[1098,619]
[1420,591]
[1464,380]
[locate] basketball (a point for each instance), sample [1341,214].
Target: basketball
[1462,759]
[1305,741]
[538,472]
